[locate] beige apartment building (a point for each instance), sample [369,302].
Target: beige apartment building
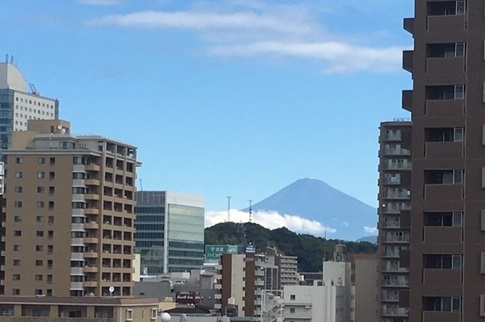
[69,213]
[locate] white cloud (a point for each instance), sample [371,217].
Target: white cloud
[270,220]
[266,30]
[370,230]
[101,2]
[345,224]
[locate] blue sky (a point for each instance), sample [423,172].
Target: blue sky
[237,97]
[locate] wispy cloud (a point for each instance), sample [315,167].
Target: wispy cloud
[260,29]
[270,220]
[370,230]
[101,2]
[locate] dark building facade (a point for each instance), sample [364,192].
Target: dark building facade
[394,219]
[447,105]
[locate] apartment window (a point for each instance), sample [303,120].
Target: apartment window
[17,218]
[52,161]
[50,249]
[16,262]
[16,277]
[39,233]
[40,189]
[15,291]
[17,233]
[41,160]
[39,218]
[19,160]
[446,8]
[445,50]
[292,310]
[442,261]
[18,189]
[50,220]
[52,175]
[18,204]
[19,174]
[445,92]
[443,176]
[50,234]
[129,315]
[292,297]
[445,219]
[38,277]
[49,279]
[16,248]
[39,262]
[153,314]
[448,134]
[38,291]
[40,204]
[442,303]
[39,248]
[51,205]
[52,190]
[40,175]
[50,262]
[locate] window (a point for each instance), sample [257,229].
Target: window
[39,219]
[50,220]
[52,161]
[40,204]
[292,310]
[39,248]
[15,291]
[51,205]
[17,233]
[40,189]
[445,92]
[40,175]
[18,189]
[442,261]
[153,314]
[38,277]
[16,262]
[129,315]
[16,248]
[443,176]
[41,160]
[445,219]
[17,218]
[52,190]
[18,204]
[39,262]
[50,234]
[19,174]
[16,277]
[52,175]
[19,160]
[39,233]
[448,134]
[442,303]
[292,297]
[50,249]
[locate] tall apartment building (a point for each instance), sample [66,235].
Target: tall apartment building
[18,104]
[394,219]
[69,213]
[169,231]
[447,262]
[287,267]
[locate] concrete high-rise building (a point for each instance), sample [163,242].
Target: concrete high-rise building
[20,102]
[394,219]
[447,225]
[69,213]
[169,231]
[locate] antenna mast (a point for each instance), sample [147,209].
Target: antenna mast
[250,209]
[228,208]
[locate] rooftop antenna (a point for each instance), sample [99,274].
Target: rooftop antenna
[11,59]
[228,208]
[141,185]
[250,209]
[32,88]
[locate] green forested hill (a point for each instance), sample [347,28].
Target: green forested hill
[310,249]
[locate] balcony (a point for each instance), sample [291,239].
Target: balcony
[92,167]
[91,240]
[394,269]
[446,24]
[92,182]
[91,254]
[438,276]
[396,239]
[396,151]
[92,196]
[432,316]
[407,100]
[91,225]
[90,283]
[91,211]
[400,281]
[408,25]
[408,60]
[448,65]
[439,192]
[395,311]
[437,150]
[445,107]
[442,235]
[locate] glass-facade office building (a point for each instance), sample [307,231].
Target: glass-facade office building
[169,231]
